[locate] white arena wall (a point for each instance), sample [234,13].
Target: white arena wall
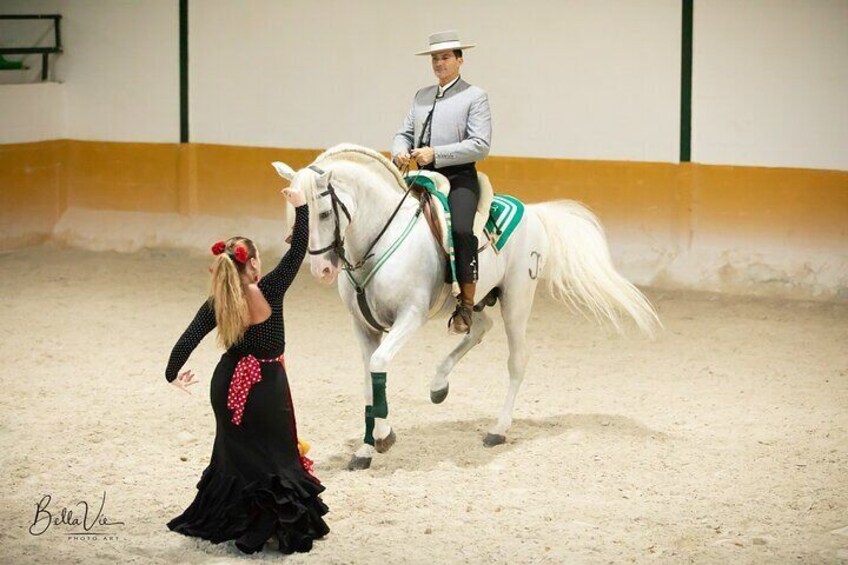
[585,100]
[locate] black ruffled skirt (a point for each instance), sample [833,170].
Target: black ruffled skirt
[255,485]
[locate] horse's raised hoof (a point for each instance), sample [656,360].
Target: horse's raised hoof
[438,396]
[489,300]
[358,463]
[491,440]
[383,445]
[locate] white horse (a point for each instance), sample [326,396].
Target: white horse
[352,194]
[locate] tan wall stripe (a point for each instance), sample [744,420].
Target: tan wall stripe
[672,202]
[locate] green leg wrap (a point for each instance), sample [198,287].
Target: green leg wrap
[378,386]
[369,425]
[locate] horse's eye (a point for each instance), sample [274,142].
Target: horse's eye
[324,215]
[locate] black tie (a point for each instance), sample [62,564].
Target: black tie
[427,128]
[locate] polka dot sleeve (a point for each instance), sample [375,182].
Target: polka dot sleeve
[203,323]
[275,283]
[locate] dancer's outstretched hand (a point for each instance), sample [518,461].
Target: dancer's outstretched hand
[184,380]
[295,196]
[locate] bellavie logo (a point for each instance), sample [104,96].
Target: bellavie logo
[80,523]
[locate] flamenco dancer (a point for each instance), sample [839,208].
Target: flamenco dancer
[257,485]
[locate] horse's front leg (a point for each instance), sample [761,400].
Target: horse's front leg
[369,341]
[378,433]
[439,385]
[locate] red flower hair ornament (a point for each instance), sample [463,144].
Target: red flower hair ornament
[219,248]
[241,254]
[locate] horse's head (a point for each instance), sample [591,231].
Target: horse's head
[330,212]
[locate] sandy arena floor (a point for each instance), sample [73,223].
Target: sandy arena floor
[725,441]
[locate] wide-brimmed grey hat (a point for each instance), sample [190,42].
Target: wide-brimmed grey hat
[444,41]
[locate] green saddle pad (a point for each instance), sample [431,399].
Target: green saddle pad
[504,215]
[422,181]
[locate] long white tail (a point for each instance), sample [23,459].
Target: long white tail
[579,270]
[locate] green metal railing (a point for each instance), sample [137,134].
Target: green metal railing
[45,52]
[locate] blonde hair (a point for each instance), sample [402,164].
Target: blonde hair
[227,295]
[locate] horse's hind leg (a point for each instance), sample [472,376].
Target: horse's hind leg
[480,325]
[515,308]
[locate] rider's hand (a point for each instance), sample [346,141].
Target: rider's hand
[423,155]
[402,159]
[184,380]
[295,196]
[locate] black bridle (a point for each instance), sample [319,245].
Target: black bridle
[337,245]
[338,240]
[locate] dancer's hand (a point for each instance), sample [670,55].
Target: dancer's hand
[295,196]
[184,380]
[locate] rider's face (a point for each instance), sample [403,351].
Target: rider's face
[445,66]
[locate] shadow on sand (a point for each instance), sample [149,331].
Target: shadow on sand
[460,442]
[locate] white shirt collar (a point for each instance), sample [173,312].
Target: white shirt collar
[442,89]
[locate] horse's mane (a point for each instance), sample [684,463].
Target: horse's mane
[364,156]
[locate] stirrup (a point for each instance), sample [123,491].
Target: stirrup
[460,320]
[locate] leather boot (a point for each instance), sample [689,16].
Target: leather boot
[460,321]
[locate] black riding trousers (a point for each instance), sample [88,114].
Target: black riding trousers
[462,199]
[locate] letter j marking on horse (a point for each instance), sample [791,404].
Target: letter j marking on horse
[534,274]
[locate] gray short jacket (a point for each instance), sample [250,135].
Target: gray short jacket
[461,129]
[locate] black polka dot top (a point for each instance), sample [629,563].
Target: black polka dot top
[266,340]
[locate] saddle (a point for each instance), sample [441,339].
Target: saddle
[434,207]
[496,218]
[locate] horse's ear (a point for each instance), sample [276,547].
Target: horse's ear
[283,170]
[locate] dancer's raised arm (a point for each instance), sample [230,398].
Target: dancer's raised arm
[278,281]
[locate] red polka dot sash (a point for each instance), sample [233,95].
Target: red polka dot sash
[247,373]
